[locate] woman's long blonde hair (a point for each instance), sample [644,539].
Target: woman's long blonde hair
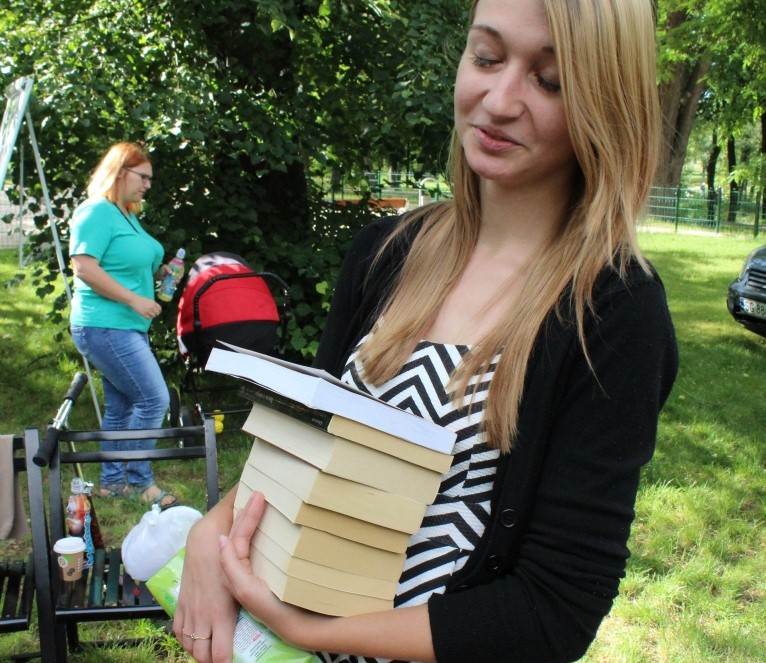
[103,182]
[605,51]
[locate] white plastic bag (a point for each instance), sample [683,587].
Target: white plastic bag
[156,539]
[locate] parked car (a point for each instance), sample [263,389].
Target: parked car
[747,293]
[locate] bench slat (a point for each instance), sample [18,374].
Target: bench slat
[112,597]
[16,594]
[96,593]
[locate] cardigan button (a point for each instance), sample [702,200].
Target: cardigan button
[508,518]
[493,562]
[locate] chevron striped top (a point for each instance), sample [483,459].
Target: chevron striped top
[456,520]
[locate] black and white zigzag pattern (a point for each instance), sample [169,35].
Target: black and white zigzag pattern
[455,522]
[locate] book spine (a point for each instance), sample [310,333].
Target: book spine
[308,415]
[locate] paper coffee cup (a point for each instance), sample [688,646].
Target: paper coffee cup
[69,555]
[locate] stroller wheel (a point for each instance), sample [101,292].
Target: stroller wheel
[186,418]
[173,409]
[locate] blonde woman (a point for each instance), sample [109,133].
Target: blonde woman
[523,316]
[115,262]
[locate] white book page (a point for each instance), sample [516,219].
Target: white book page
[308,370]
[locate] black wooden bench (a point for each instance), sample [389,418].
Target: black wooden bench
[106,591]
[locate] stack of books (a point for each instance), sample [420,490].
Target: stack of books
[346,477]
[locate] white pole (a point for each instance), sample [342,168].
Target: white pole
[57,247]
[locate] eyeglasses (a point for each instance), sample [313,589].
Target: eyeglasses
[146,179]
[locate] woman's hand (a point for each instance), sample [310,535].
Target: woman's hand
[248,589]
[162,272]
[206,608]
[145,307]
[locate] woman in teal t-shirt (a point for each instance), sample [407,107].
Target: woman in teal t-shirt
[115,264]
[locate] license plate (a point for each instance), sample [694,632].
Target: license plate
[756,309]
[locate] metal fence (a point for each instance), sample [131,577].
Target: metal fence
[715,211]
[14,227]
[682,207]
[401,187]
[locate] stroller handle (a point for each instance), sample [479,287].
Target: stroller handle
[44,452]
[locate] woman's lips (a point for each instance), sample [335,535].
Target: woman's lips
[494,140]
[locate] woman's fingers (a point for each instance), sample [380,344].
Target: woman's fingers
[245,524]
[236,568]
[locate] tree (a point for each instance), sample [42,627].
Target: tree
[711,61]
[242,105]
[683,63]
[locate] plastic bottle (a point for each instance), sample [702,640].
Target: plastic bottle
[170,281]
[75,521]
[78,518]
[95,528]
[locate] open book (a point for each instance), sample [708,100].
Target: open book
[320,390]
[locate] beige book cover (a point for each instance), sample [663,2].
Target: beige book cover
[336,494]
[349,429]
[327,549]
[299,512]
[343,458]
[314,597]
[320,574]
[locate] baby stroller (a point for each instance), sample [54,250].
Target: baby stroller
[224,299]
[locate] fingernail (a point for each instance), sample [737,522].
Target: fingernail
[222,540]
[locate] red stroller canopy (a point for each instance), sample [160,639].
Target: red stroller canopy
[225,299]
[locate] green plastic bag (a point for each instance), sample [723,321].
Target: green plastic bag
[253,642]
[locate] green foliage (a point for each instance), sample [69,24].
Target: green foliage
[240,104]
[722,42]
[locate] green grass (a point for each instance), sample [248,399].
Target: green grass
[695,588]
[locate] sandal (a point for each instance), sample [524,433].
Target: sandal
[152,495]
[111,490]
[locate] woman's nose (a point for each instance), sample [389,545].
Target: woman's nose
[507,92]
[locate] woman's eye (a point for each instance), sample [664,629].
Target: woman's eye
[483,62]
[547,85]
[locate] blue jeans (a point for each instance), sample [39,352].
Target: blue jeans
[135,395]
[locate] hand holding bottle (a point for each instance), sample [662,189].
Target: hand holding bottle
[172,277]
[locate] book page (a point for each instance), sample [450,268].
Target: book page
[307,370]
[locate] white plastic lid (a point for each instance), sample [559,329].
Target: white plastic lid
[78,485]
[69,545]
[181,253]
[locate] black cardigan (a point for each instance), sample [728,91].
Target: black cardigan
[550,562]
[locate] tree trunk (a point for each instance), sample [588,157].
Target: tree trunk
[679,93]
[731,154]
[712,162]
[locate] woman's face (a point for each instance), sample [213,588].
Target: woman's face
[509,112]
[134,182]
